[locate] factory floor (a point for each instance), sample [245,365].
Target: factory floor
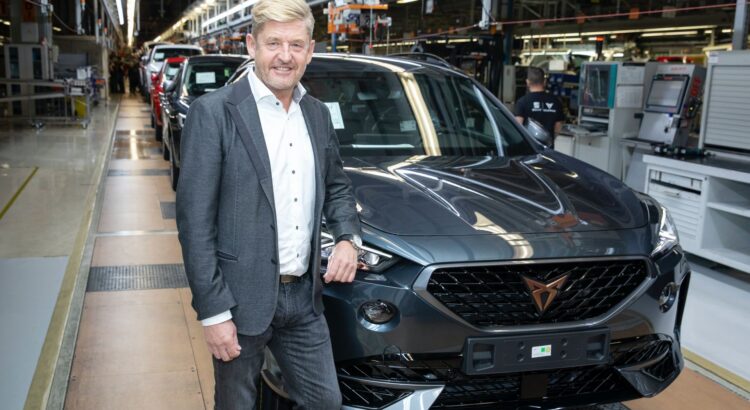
[138,344]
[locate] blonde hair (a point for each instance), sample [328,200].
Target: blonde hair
[282,11]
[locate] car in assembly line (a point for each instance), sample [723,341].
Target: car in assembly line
[159,80]
[495,272]
[197,76]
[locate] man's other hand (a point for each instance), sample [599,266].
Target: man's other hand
[342,265]
[222,340]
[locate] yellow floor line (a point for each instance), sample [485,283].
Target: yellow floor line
[723,373]
[18,192]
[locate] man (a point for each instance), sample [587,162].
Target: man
[260,166]
[539,105]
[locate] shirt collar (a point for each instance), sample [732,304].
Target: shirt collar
[261,92]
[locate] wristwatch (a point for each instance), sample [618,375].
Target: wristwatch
[355,240]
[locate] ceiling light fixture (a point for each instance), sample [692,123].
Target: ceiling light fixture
[120,15]
[235,9]
[131,21]
[671,33]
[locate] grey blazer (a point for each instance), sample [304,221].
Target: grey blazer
[225,206]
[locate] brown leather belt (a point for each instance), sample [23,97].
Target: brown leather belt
[289,278]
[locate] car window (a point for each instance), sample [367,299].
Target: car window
[171,70]
[164,53]
[466,120]
[371,114]
[205,77]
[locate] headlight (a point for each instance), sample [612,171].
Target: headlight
[370,259]
[667,235]
[665,230]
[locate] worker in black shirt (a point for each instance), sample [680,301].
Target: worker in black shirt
[539,105]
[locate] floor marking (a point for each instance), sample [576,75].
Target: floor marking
[136,233]
[18,193]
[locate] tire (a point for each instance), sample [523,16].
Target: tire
[174,173]
[164,149]
[268,399]
[159,134]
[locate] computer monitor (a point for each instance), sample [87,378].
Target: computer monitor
[666,93]
[597,88]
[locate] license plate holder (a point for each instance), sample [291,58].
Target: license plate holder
[534,352]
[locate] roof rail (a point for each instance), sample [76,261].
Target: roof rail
[425,57]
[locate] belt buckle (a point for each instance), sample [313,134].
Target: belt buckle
[288,278]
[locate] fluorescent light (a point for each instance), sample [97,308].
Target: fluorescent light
[56,28]
[618,55]
[131,21]
[727,30]
[120,15]
[567,39]
[405,1]
[6,22]
[671,33]
[235,9]
[601,33]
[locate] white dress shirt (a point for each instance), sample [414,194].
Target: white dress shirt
[292,175]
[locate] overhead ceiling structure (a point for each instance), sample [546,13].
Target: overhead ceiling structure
[207,17]
[116,14]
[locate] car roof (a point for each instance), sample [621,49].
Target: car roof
[172,60]
[215,57]
[340,62]
[177,46]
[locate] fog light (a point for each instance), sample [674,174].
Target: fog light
[378,312]
[668,296]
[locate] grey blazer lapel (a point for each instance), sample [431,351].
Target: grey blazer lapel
[244,112]
[316,134]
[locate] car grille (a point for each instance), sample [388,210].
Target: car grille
[572,385]
[488,296]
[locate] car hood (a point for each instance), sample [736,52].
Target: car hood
[544,193]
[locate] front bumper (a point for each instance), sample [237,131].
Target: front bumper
[418,357]
[415,360]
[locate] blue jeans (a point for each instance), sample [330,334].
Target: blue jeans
[300,342]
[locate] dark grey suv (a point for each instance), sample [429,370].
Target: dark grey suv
[497,273]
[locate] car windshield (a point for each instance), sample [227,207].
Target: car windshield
[372,115]
[171,70]
[208,76]
[164,53]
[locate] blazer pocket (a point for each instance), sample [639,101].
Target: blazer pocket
[226,256]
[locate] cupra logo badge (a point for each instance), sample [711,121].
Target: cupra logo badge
[544,293]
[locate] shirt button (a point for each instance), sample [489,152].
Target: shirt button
[293,172]
[290,144]
[295,199]
[296,227]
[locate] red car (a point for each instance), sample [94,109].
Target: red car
[158,80]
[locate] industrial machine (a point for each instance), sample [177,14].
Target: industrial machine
[672,103]
[726,109]
[672,100]
[610,94]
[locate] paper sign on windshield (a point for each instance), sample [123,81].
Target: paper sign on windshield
[336,118]
[208,77]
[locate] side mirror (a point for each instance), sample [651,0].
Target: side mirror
[537,131]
